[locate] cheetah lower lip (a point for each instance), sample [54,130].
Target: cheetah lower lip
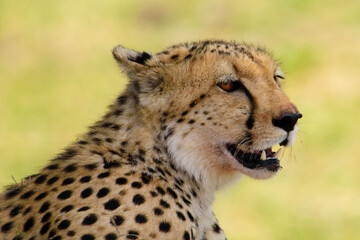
[266,159]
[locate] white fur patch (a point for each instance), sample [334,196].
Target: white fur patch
[292,136]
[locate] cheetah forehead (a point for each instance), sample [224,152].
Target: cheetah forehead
[191,50]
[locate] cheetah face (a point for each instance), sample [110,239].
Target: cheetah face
[220,107]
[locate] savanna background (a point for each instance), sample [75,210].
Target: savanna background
[57,76]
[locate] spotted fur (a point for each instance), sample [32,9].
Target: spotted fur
[150,167]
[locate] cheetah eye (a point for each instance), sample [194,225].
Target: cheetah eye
[278,76]
[229,86]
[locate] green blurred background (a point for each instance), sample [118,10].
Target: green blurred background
[57,76]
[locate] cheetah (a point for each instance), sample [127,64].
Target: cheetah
[192,119]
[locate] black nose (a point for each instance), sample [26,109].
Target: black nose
[287,121]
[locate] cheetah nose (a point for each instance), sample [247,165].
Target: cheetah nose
[287,121]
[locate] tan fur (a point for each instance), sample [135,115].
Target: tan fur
[166,132]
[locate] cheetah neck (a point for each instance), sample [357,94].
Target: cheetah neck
[123,131]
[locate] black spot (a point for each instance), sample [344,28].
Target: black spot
[46,217]
[180,215]
[136,185]
[115,127]
[140,218]
[121,181]
[164,227]
[83,209]
[52,180]
[180,120]
[67,154]
[160,190]
[67,181]
[164,203]
[82,142]
[190,216]
[67,208]
[158,211]
[184,113]
[51,234]
[86,192]
[111,164]
[27,210]
[172,193]
[87,237]
[29,224]
[188,56]
[89,219]
[56,238]
[64,224]
[138,199]
[52,167]
[112,204]
[118,112]
[92,133]
[15,211]
[161,171]
[7,226]
[186,201]
[70,233]
[192,104]
[175,56]
[64,195]
[145,178]
[179,205]
[70,168]
[41,179]
[12,193]
[44,207]
[186,236]
[104,175]
[193,193]
[110,236]
[45,228]
[117,220]
[105,124]
[102,192]
[109,140]
[97,141]
[216,228]
[132,235]
[122,100]
[202,96]
[90,166]
[153,193]
[85,179]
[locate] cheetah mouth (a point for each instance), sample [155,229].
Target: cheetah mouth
[263,159]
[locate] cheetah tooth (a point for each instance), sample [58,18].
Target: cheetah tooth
[263,155]
[278,153]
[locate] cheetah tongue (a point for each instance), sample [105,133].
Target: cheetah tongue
[256,159]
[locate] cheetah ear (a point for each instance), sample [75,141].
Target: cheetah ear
[134,63]
[129,60]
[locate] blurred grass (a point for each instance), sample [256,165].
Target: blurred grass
[57,76]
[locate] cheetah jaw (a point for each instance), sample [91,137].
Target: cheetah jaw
[264,159]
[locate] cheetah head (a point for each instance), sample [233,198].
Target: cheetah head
[217,107]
